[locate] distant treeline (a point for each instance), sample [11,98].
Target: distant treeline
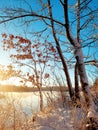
[10,88]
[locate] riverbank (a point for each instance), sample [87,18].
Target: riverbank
[57,116]
[19,111]
[53,117]
[13,88]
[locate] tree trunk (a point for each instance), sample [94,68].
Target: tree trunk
[80,62]
[39,88]
[71,91]
[77,94]
[83,76]
[41,99]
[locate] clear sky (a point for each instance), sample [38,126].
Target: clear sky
[16,27]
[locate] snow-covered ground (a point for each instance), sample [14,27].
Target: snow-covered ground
[56,117]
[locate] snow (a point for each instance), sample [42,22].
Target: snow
[59,116]
[54,117]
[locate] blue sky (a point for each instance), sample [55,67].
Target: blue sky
[16,27]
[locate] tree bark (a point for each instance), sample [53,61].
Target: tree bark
[77,94]
[83,76]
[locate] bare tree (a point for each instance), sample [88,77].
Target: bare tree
[60,28]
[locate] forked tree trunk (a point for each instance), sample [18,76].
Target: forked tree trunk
[80,61]
[84,82]
[83,75]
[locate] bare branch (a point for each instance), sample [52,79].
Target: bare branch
[61,2]
[78,21]
[29,15]
[67,26]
